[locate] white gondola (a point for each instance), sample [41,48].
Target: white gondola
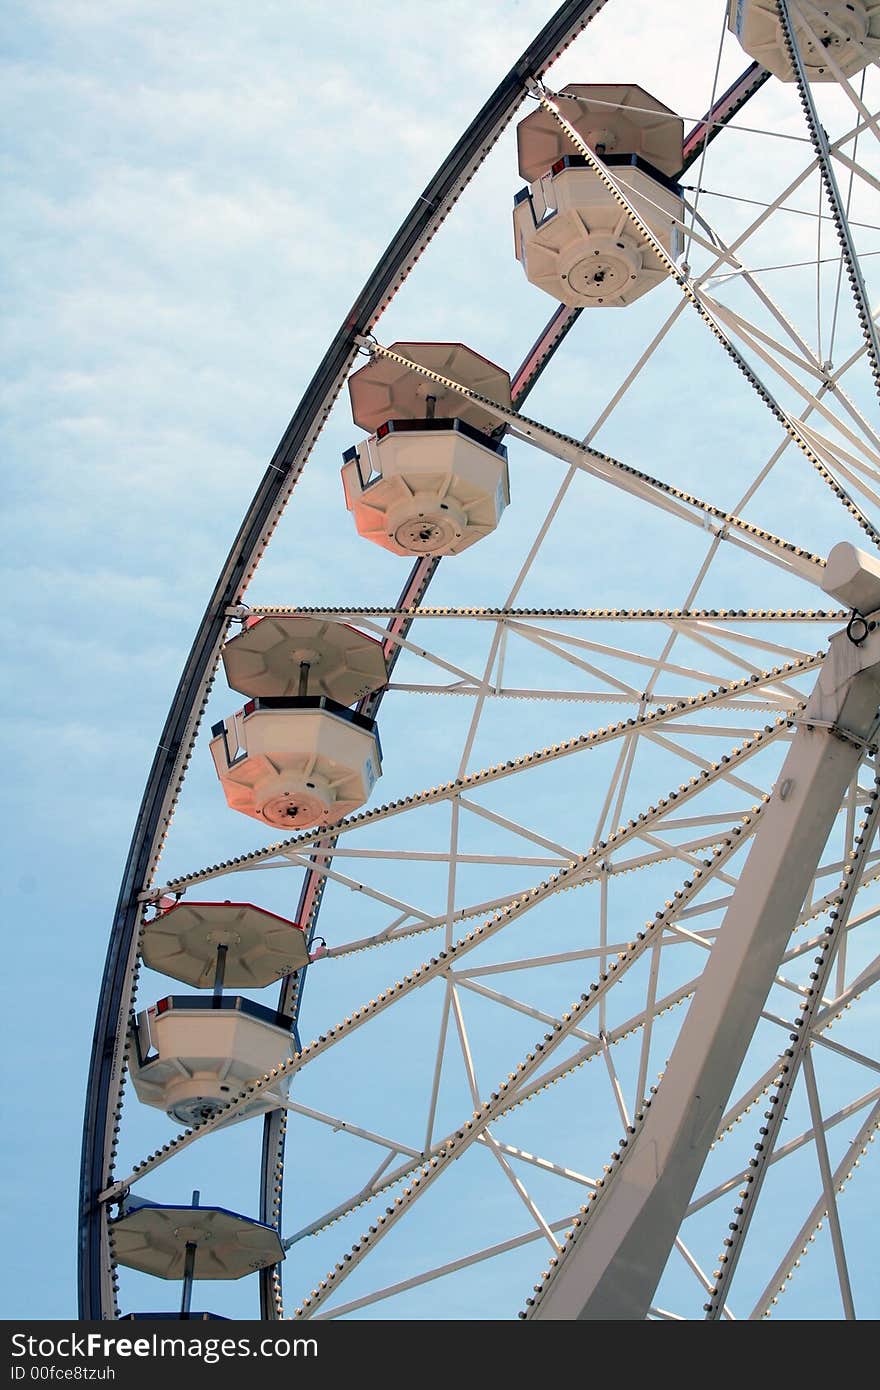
[836,36]
[298,761]
[295,756]
[571,234]
[193,1053]
[431,479]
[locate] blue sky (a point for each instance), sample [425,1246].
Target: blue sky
[194,197]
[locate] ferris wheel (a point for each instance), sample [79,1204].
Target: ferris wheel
[512,949]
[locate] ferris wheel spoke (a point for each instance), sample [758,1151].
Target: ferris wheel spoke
[402,932]
[398,640]
[560,641]
[375,1184]
[473,972]
[634,373]
[679,618]
[841,460]
[622,772]
[528,1010]
[442,1039]
[343,1126]
[860,172]
[527,833]
[582,697]
[717,637]
[546,1165]
[843,457]
[521,1191]
[831,1045]
[750,335]
[546,644]
[867,437]
[871,973]
[687,854]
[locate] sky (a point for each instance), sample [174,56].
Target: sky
[194,196]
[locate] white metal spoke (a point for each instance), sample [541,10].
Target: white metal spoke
[858,169]
[363,1194]
[539,1015]
[546,1165]
[752,335]
[438,1065]
[648,1029]
[506,823]
[398,641]
[615,1084]
[521,1191]
[341,1126]
[717,771]
[356,886]
[536,634]
[557,650]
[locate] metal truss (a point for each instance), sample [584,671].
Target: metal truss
[713,695]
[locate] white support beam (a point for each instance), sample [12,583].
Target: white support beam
[613,1263]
